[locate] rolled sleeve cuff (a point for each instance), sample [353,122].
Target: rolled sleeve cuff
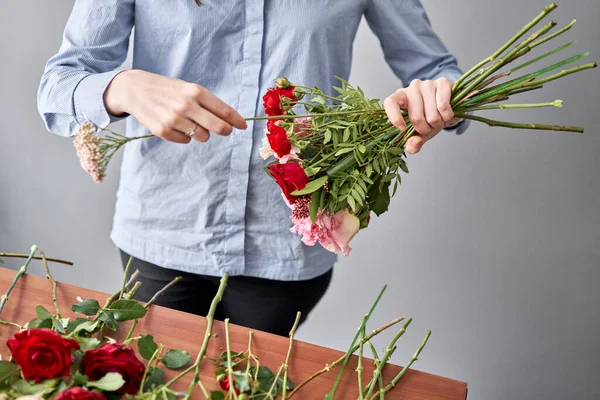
[88,100]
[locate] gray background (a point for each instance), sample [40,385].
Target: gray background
[492,241]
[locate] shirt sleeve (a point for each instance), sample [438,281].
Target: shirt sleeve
[95,44]
[410,46]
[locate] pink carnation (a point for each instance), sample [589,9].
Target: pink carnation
[334,232]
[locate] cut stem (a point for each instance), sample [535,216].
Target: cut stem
[20,273]
[49,259]
[513,125]
[287,357]
[556,103]
[54,285]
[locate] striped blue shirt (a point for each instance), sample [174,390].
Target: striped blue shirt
[208,208]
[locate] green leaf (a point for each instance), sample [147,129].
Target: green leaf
[89,307]
[327,136]
[73,324]
[156,377]
[311,186]
[88,343]
[43,313]
[379,201]
[217,395]
[30,388]
[86,325]
[109,319]
[404,167]
[362,148]
[58,325]
[242,383]
[264,376]
[289,385]
[127,310]
[396,150]
[234,355]
[175,359]
[147,346]
[357,197]
[314,205]
[40,323]
[8,370]
[351,203]
[319,99]
[312,171]
[110,382]
[343,151]
[346,136]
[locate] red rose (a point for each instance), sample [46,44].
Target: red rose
[42,353]
[289,176]
[77,393]
[225,385]
[278,139]
[114,358]
[272,99]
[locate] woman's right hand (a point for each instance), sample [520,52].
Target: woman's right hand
[170,108]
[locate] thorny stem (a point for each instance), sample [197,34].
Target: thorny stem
[414,358]
[232,391]
[20,273]
[207,335]
[386,357]
[54,285]
[49,259]
[337,362]
[287,358]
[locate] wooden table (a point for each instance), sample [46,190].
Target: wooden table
[179,330]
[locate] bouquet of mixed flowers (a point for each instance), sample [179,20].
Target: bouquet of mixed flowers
[54,357]
[340,159]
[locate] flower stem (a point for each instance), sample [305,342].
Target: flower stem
[207,335]
[414,358]
[386,357]
[513,125]
[287,358]
[459,83]
[15,255]
[351,350]
[329,114]
[232,391]
[359,367]
[156,354]
[8,323]
[20,273]
[337,362]
[556,103]
[54,285]
[125,277]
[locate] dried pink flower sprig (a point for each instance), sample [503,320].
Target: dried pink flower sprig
[95,150]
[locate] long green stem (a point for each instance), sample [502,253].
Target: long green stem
[540,58]
[54,285]
[20,273]
[386,357]
[458,84]
[552,36]
[207,335]
[500,63]
[287,357]
[329,114]
[351,350]
[556,103]
[337,362]
[155,355]
[49,259]
[125,274]
[513,125]
[359,367]
[414,358]
[232,391]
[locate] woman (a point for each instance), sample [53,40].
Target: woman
[195,200]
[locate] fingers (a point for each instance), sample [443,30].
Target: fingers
[217,107]
[393,105]
[185,126]
[416,108]
[443,96]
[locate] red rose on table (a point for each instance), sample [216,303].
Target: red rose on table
[42,353]
[225,385]
[114,358]
[272,100]
[278,139]
[289,176]
[78,393]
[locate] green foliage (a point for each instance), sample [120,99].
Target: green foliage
[175,359]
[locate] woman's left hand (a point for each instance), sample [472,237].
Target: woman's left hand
[428,106]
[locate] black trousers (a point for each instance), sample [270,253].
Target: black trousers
[261,304]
